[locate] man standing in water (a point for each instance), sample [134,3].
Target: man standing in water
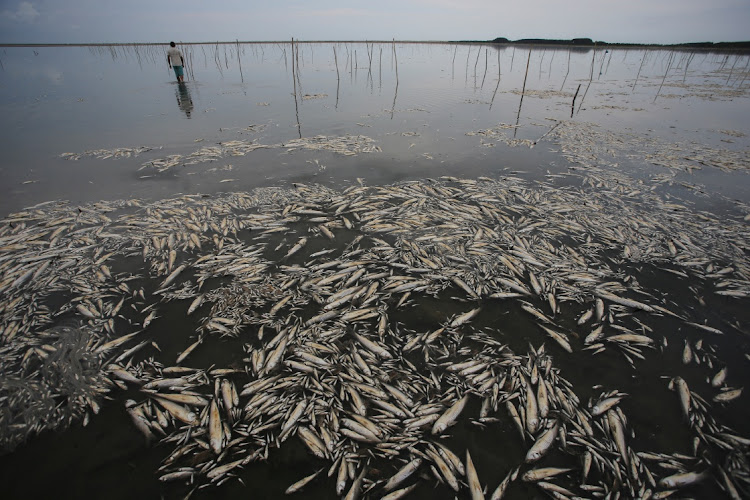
[175,60]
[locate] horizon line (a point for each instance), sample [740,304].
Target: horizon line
[521,41]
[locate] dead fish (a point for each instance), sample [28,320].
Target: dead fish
[402,493]
[683,479]
[542,445]
[727,396]
[449,417]
[402,474]
[718,379]
[173,276]
[464,318]
[195,304]
[296,248]
[475,486]
[189,349]
[215,428]
[503,486]
[543,473]
[684,393]
[302,483]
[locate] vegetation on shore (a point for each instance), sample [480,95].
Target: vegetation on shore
[588,42]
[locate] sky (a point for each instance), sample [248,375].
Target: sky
[630,21]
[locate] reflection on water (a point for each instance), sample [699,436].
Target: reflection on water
[409,267]
[184,100]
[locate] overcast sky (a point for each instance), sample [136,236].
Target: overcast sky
[638,21]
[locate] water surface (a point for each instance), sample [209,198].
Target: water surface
[461,154]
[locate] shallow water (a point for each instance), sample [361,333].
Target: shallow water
[74,99]
[633,148]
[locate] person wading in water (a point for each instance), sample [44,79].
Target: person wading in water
[175,61]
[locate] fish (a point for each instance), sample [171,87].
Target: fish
[542,445]
[445,470]
[281,303]
[341,478]
[499,492]
[402,474]
[718,379]
[173,276]
[727,396]
[595,335]
[294,416]
[683,479]
[541,399]
[215,431]
[141,423]
[312,441]
[401,493]
[602,406]
[618,433]
[475,486]
[184,354]
[532,410]
[585,316]
[516,418]
[195,304]
[449,417]
[464,318]
[116,342]
[178,411]
[684,393]
[543,473]
[296,248]
[373,347]
[356,487]
[294,488]
[634,304]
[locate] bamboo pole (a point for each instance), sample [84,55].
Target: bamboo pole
[573,106]
[294,83]
[736,58]
[485,68]
[566,73]
[476,61]
[669,63]
[380,68]
[499,75]
[639,71]
[338,78]
[336,59]
[453,64]
[523,91]
[239,61]
[395,92]
[395,59]
[466,78]
[591,78]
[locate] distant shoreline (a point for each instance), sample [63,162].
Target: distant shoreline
[582,43]
[587,42]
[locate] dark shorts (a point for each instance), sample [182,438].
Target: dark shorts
[177,71]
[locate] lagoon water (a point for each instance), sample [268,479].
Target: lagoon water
[76,99]
[664,133]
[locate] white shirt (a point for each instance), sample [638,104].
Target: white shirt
[174,56]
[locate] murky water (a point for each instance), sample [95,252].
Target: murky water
[448,170]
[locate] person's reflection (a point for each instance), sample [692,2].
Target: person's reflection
[184,101]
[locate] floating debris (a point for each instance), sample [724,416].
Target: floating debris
[347,145]
[103,154]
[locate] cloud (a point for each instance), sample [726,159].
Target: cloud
[25,13]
